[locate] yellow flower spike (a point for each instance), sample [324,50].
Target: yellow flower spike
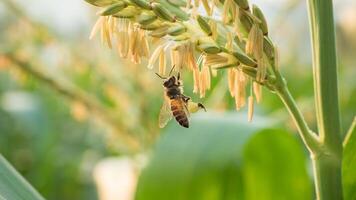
[237,89]
[234,11]
[206,74]
[173,57]
[162,63]
[240,91]
[204,81]
[257,90]
[145,48]
[261,69]
[154,57]
[229,44]
[226,9]
[97,26]
[250,108]
[189,4]
[254,44]
[191,59]
[112,26]
[122,37]
[196,79]
[214,29]
[202,85]
[207,7]
[208,77]
[138,45]
[180,57]
[133,33]
[194,11]
[237,22]
[231,81]
[106,32]
[196,4]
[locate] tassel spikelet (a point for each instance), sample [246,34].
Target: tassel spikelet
[257,90]
[240,89]
[250,108]
[162,63]
[122,37]
[196,78]
[231,80]
[238,42]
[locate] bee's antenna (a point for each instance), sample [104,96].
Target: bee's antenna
[170,72]
[160,76]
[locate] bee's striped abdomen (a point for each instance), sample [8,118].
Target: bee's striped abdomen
[179,113]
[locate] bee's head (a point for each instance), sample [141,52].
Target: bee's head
[171,81]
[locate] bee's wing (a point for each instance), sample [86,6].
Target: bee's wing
[165,114]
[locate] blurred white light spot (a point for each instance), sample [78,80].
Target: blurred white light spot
[347,20]
[116,178]
[64,16]
[18,102]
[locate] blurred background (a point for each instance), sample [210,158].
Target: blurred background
[78,122]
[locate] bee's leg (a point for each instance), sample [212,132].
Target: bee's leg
[185,98]
[200,105]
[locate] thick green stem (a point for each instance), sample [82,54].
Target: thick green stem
[327,161]
[325,72]
[327,176]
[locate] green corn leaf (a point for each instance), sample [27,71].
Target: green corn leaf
[13,186]
[199,163]
[275,168]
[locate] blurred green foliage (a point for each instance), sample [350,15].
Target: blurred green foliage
[54,140]
[220,158]
[274,167]
[203,162]
[349,163]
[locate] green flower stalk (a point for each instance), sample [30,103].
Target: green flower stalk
[229,36]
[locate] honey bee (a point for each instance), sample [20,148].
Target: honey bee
[175,103]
